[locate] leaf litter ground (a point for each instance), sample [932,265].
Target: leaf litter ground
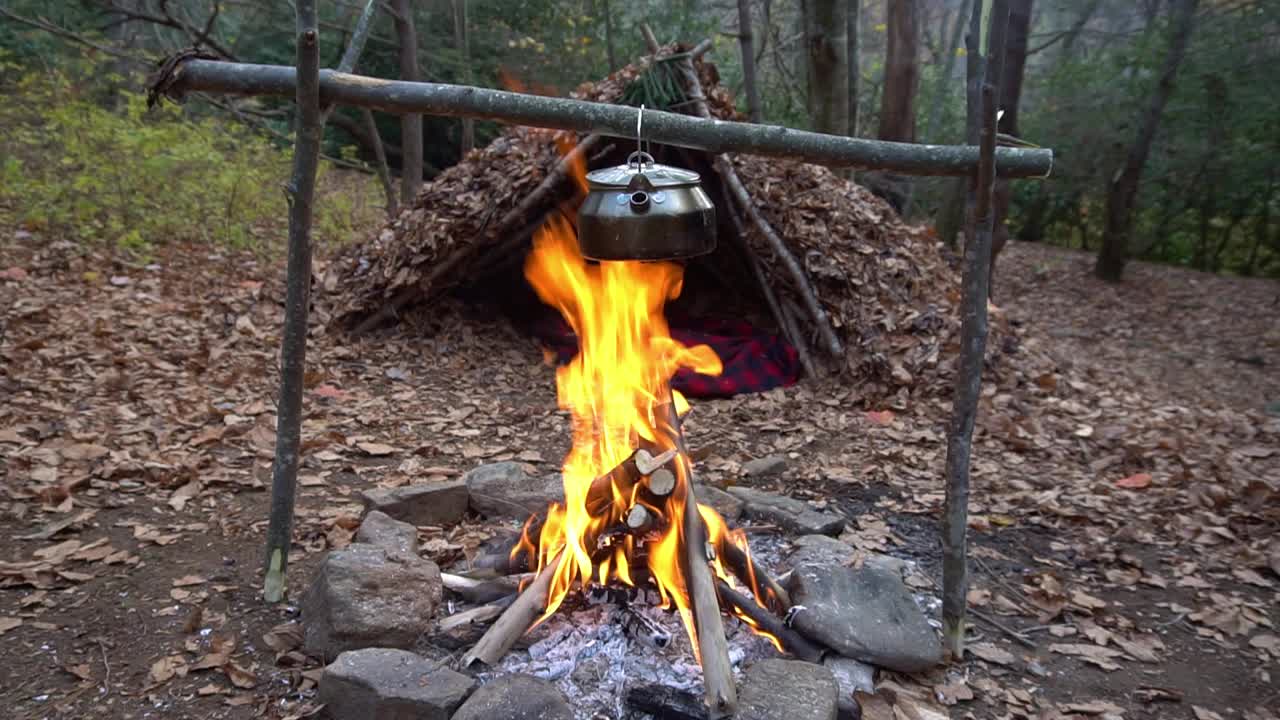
[1123,531]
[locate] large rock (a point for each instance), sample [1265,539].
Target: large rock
[865,613]
[851,676]
[788,513]
[787,690]
[368,596]
[819,550]
[390,684]
[823,550]
[382,530]
[438,503]
[765,466]
[729,507]
[515,697]
[505,490]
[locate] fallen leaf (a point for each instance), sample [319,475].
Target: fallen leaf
[1142,647]
[83,451]
[1094,707]
[1268,642]
[187,580]
[81,671]
[880,417]
[953,692]
[991,653]
[1093,654]
[239,677]
[9,623]
[1205,713]
[1135,482]
[166,668]
[329,391]
[375,449]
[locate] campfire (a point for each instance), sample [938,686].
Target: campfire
[630,517]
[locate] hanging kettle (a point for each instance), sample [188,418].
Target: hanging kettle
[643,210]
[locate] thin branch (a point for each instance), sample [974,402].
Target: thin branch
[52,29]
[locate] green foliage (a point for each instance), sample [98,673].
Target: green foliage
[131,178]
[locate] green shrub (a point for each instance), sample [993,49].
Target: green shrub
[110,171]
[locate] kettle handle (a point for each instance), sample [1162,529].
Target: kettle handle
[639,159]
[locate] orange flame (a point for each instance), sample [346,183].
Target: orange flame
[618,391]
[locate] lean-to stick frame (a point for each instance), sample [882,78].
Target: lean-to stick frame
[715,136]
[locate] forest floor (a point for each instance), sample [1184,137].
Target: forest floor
[1124,507]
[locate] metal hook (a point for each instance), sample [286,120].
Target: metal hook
[639,129]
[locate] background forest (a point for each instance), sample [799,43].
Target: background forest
[1085,79]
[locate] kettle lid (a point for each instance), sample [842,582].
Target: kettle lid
[641,163]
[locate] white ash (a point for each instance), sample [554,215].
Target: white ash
[594,652]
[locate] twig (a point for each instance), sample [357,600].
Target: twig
[380,156]
[1019,637]
[106,664]
[52,29]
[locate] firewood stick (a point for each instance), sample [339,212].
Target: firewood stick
[641,520]
[480,590]
[516,619]
[720,693]
[476,615]
[743,567]
[661,483]
[792,641]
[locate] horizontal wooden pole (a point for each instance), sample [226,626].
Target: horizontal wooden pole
[717,136]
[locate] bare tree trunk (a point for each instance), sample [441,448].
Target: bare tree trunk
[1123,188]
[468,138]
[293,352]
[973,342]
[410,124]
[380,162]
[826,65]
[1015,61]
[748,61]
[853,47]
[1069,42]
[901,73]
[608,37]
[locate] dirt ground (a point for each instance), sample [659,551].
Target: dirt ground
[1124,513]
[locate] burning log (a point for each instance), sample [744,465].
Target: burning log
[624,478]
[739,562]
[791,641]
[662,482]
[721,695]
[640,520]
[665,703]
[516,620]
[639,627]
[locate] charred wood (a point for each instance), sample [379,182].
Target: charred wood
[792,641]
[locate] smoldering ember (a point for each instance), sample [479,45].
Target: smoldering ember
[675,396]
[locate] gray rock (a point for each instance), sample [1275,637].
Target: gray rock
[515,697]
[389,684]
[787,690]
[729,507]
[819,550]
[765,466]
[505,490]
[790,514]
[851,676]
[367,596]
[382,530]
[438,503]
[865,613]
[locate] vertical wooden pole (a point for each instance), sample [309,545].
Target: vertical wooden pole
[293,351]
[301,193]
[973,342]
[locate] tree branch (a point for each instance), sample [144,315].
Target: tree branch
[716,136]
